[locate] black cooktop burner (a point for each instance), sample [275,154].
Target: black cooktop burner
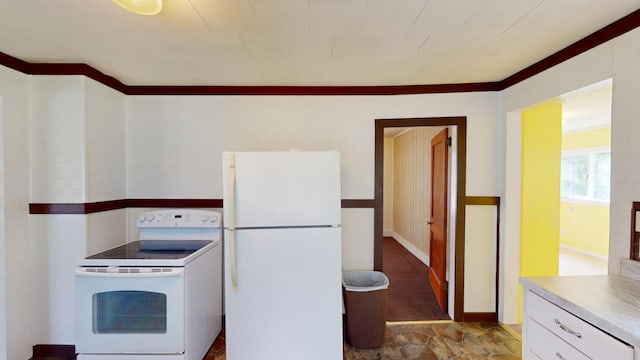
[153,249]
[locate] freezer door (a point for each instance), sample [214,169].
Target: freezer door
[296,188]
[289,295]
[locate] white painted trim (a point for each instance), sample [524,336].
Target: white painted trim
[3,286]
[509,288]
[388,232]
[573,200]
[511,331]
[424,258]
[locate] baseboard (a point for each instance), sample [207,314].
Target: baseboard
[419,322]
[67,352]
[584,252]
[480,317]
[424,258]
[511,331]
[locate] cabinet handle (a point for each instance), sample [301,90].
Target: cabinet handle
[560,356]
[567,329]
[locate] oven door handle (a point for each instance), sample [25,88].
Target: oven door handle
[157,274]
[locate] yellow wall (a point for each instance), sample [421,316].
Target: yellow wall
[585,226]
[540,190]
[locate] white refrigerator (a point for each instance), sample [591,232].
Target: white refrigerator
[282,221]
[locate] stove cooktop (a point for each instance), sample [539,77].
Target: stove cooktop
[152,249]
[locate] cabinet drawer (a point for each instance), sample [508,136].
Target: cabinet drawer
[590,340]
[545,345]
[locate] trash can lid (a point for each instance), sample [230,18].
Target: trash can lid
[364,280]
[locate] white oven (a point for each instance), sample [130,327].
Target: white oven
[157,298]
[134,310]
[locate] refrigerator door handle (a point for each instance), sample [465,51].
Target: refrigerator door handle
[231,220]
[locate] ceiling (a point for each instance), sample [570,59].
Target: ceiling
[583,109]
[587,108]
[303,42]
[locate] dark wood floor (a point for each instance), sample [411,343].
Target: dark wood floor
[409,297]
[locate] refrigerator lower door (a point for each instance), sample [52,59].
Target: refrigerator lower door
[288,302]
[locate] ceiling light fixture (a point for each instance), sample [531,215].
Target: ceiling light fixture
[142,7]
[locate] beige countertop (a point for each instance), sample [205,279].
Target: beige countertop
[609,302]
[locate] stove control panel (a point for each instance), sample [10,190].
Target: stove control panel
[179,218]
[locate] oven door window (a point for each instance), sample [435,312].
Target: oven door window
[129,312]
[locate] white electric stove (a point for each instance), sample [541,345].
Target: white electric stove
[159,297]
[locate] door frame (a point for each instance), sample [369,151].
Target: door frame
[461,165]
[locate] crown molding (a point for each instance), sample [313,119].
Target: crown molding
[589,42]
[311,90]
[100,206]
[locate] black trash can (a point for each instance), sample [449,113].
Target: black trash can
[365,302]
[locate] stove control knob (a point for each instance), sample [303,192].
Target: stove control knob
[150,218]
[204,218]
[142,218]
[214,218]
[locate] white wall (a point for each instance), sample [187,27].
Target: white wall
[105,143]
[57,139]
[77,148]
[77,156]
[174,145]
[3,287]
[479,236]
[617,59]
[625,148]
[15,259]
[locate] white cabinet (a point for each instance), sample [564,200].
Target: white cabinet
[552,333]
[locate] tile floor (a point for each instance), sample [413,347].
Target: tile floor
[429,341]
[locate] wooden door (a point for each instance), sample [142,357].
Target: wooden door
[438,220]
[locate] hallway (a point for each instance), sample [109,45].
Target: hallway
[409,297]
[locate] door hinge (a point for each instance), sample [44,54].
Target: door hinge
[447,141]
[445,286]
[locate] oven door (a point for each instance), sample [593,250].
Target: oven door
[130,310]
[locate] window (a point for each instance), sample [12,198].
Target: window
[585,175]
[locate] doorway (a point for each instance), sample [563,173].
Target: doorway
[455,257]
[416,181]
[585,173]
[576,215]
